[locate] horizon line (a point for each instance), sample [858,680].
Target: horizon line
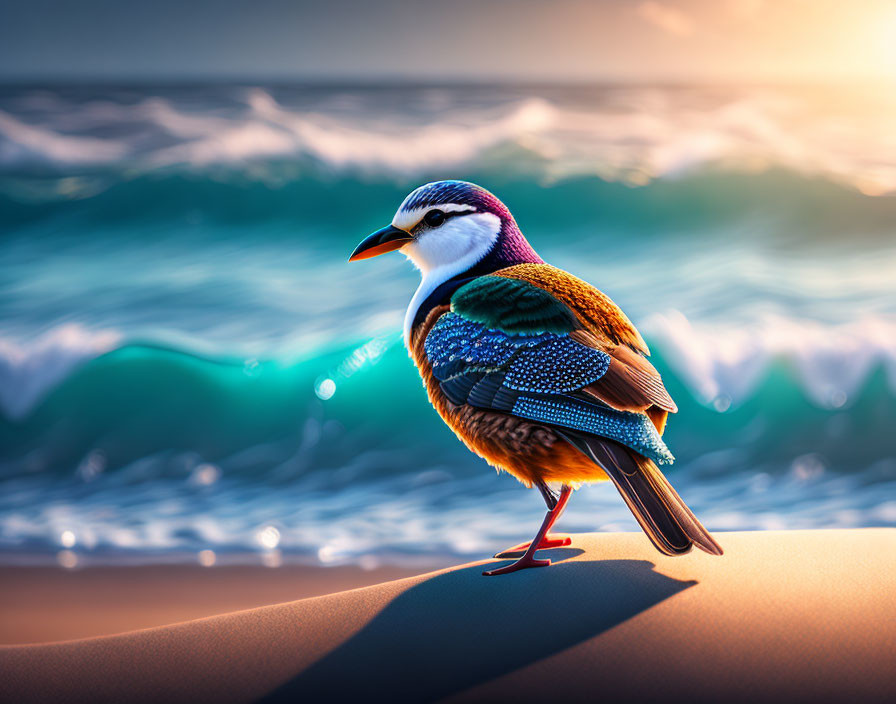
[413,81]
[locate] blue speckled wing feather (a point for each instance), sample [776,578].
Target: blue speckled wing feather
[534,376]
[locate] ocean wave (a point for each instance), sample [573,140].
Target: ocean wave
[29,371]
[272,131]
[621,134]
[778,204]
[720,367]
[21,142]
[723,365]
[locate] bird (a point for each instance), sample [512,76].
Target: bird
[535,370]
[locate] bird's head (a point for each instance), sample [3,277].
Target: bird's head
[448,225]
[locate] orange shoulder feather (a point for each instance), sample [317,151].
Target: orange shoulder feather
[594,309]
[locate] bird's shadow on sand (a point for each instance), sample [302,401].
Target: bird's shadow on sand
[459,629]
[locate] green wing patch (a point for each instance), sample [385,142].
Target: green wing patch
[516,307]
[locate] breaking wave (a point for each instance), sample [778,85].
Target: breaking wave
[828,367]
[632,135]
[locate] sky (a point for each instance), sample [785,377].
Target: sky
[522,40]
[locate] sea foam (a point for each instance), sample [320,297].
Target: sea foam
[628,134]
[722,364]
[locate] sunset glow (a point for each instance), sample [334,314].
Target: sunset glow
[646,40]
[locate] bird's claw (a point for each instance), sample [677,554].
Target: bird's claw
[525,562]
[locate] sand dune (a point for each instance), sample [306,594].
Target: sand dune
[782,616]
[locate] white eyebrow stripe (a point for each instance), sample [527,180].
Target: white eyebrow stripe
[408,219]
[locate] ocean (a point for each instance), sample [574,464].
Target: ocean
[190,367]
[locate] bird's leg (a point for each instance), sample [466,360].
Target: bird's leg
[555,508]
[538,542]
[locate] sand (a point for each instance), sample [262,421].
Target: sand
[42,604]
[782,616]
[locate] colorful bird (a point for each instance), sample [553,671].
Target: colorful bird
[533,369]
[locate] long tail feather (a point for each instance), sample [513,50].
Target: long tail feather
[664,516]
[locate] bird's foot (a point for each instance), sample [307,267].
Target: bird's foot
[550,541]
[525,562]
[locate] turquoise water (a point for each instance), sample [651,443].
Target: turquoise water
[188,363]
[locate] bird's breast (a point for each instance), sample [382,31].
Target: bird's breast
[527,450]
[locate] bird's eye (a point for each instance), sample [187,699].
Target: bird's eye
[434,218]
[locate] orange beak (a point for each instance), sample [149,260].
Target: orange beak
[386,240]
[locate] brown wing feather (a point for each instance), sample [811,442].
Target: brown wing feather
[631,382]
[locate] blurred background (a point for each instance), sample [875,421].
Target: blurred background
[191,371]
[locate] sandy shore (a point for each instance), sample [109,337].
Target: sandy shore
[782,616]
[42,604]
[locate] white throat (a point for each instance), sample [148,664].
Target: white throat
[447,251]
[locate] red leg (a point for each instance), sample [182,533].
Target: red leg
[540,541]
[548,541]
